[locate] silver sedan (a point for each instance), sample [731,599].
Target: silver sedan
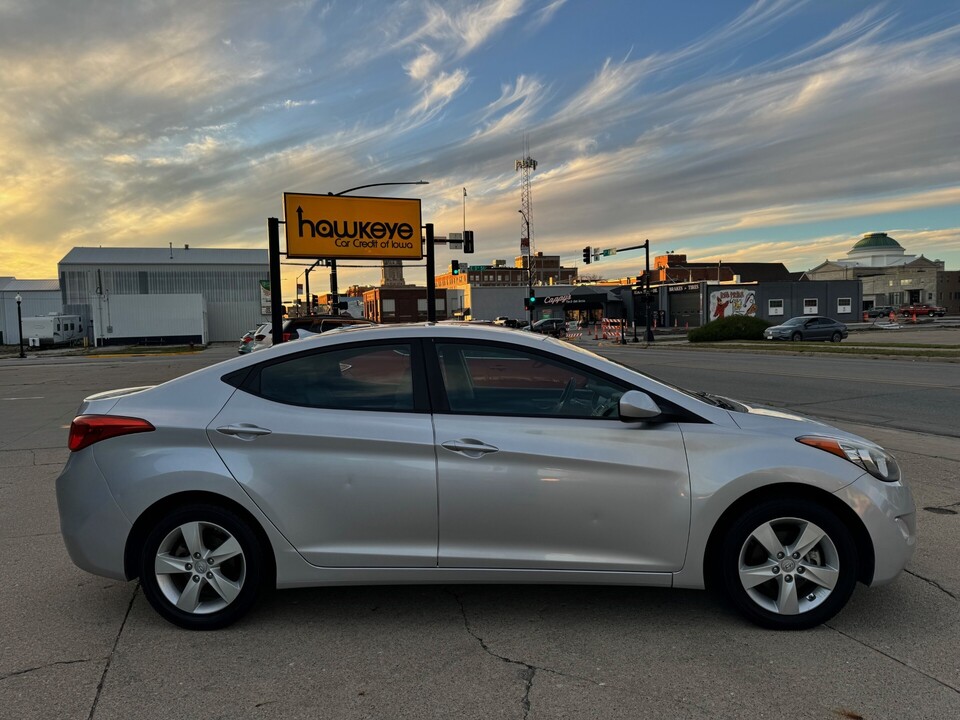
[463,454]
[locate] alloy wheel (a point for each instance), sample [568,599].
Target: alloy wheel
[200,568]
[789,566]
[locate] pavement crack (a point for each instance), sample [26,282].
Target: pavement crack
[937,585]
[897,660]
[529,671]
[26,671]
[528,675]
[113,650]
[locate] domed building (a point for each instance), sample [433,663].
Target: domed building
[878,250]
[891,277]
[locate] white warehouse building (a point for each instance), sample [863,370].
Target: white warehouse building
[161,295]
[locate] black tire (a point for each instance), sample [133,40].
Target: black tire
[796,337]
[836,337]
[240,576]
[768,603]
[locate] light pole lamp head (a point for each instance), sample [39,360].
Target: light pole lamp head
[18,298]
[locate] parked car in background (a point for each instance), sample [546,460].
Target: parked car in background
[298,328]
[881,311]
[807,328]
[501,320]
[455,453]
[922,309]
[246,342]
[554,327]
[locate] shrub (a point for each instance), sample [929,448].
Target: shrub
[736,327]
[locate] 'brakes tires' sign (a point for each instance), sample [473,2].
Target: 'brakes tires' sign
[333,226]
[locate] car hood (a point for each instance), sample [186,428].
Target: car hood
[783,422]
[782,327]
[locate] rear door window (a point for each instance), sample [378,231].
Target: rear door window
[372,377]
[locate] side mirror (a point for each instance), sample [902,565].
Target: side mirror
[637,405]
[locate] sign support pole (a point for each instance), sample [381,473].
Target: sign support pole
[276,297]
[431,277]
[334,296]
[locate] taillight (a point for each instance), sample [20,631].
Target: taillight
[259,338]
[287,337]
[85,430]
[247,340]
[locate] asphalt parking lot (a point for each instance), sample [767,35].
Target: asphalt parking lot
[78,646]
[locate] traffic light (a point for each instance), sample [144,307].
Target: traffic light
[586,255]
[455,267]
[530,302]
[468,241]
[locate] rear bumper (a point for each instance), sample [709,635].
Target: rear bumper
[94,528]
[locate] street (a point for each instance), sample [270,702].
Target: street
[79,646]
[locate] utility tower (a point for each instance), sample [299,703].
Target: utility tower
[526,166]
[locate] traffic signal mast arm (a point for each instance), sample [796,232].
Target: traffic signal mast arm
[597,254]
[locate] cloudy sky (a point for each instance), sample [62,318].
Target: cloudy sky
[776,130]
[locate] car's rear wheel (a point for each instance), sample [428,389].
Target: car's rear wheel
[836,337]
[201,567]
[788,564]
[796,337]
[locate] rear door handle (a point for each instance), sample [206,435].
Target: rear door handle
[469,447]
[242,429]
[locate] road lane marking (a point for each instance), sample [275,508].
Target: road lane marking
[35,397]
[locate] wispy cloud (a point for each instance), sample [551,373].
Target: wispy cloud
[544,15]
[515,109]
[440,91]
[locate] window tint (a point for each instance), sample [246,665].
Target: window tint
[358,378]
[485,380]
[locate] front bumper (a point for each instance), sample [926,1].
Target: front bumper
[890,517]
[94,528]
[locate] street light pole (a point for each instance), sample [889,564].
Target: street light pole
[20,325]
[334,296]
[646,275]
[529,269]
[306,274]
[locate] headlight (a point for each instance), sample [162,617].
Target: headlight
[872,458]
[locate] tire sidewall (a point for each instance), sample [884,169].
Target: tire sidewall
[753,518]
[253,557]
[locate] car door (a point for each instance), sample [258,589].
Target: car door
[824,329]
[535,471]
[336,447]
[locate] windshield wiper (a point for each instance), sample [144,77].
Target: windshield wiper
[714,400]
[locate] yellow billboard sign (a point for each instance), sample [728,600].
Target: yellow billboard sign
[335,226]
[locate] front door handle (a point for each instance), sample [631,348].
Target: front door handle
[469,447]
[243,429]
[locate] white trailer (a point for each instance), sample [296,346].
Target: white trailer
[55,329]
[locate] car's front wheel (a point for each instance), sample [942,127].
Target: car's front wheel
[202,567]
[796,337]
[788,564]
